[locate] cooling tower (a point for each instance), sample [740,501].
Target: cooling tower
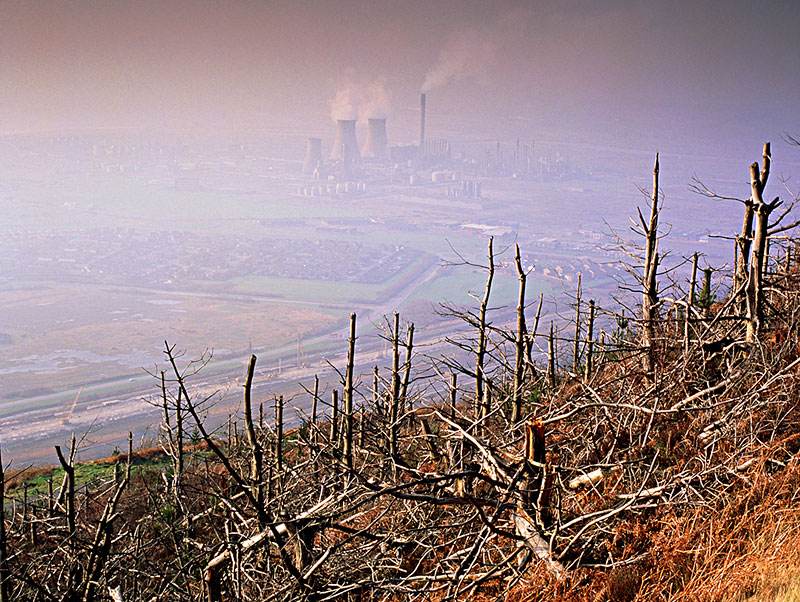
[422,102]
[313,158]
[377,145]
[345,146]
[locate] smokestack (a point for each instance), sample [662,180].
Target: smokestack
[377,144]
[345,146]
[313,158]
[422,100]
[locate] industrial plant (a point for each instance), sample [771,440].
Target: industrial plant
[451,169]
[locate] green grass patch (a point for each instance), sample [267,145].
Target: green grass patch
[85,474]
[323,291]
[455,284]
[328,291]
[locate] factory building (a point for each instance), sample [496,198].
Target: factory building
[313,157]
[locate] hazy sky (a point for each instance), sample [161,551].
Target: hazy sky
[628,72]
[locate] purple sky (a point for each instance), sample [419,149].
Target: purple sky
[628,73]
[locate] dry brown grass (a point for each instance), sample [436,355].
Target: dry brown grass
[745,550]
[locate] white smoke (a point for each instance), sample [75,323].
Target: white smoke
[344,105]
[354,99]
[466,53]
[377,100]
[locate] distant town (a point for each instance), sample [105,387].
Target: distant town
[118,241]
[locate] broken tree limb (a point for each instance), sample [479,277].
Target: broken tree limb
[215,567]
[526,529]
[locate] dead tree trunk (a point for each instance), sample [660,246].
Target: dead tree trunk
[551,358]
[101,545]
[68,489]
[480,354]
[279,433]
[531,336]
[179,465]
[705,292]
[519,364]
[453,395]
[334,436]
[690,301]
[486,402]
[314,403]
[376,392]
[745,238]
[755,285]
[348,394]
[363,425]
[394,397]
[589,367]
[649,276]
[256,452]
[51,508]
[165,406]
[576,348]
[240,480]
[535,457]
[407,366]
[743,244]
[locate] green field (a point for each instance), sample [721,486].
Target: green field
[326,291]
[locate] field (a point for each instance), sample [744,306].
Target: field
[64,337]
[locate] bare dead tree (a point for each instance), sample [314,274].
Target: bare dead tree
[480,353]
[256,451]
[589,367]
[394,398]
[348,394]
[762,210]
[453,395]
[334,431]
[551,358]
[279,433]
[745,238]
[576,359]
[649,275]
[314,404]
[68,488]
[101,544]
[519,341]
[690,303]
[376,389]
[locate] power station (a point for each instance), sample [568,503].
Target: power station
[313,158]
[425,162]
[377,145]
[345,145]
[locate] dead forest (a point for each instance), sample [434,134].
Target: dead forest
[625,452]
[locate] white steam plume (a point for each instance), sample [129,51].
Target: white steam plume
[466,53]
[344,105]
[357,98]
[377,100]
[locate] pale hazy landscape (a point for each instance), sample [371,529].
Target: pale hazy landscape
[399,301]
[114,244]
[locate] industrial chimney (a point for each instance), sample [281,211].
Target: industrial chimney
[422,100]
[313,159]
[377,144]
[345,146]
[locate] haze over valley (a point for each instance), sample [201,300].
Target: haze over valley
[214,199]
